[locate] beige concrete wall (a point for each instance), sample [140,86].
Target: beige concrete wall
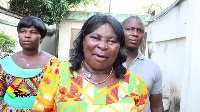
[65,34]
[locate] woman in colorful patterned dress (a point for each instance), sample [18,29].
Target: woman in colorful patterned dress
[21,73]
[94,79]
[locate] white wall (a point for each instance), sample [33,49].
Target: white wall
[175,48]
[65,36]
[170,57]
[171,26]
[191,78]
[10,30]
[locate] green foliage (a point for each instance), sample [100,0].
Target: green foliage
[50,11]
[6,45]
[88,6]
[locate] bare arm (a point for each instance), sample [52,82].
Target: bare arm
[156,103]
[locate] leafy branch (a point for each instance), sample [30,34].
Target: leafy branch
[6,45]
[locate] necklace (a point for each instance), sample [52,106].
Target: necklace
[90,74]
[86,77]
[28,63]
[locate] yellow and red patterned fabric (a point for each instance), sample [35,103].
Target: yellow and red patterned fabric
[60,91]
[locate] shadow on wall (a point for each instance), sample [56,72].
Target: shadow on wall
[172,93]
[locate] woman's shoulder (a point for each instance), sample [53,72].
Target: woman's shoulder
[52,60]
[6,61]
[137,83]
[46,57]
[66,64]
[132,78]
[57,70]
[58,65]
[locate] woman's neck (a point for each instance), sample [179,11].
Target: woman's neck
[30,53]
[95,71]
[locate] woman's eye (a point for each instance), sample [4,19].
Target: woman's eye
[128,29]
[112,41]
[22,31]
[95,38]
[33,32]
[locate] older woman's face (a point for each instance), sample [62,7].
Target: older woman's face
[101,47]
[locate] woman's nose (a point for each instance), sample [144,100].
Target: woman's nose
[28,35]
[103,45]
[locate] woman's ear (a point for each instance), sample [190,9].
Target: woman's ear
[39,36]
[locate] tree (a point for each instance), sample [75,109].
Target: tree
[50,11]
[90,6]
[6,45]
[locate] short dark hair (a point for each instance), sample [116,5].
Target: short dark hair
[28,21]
[132,17]
[94,22]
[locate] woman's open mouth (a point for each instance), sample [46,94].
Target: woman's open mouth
[100,57]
